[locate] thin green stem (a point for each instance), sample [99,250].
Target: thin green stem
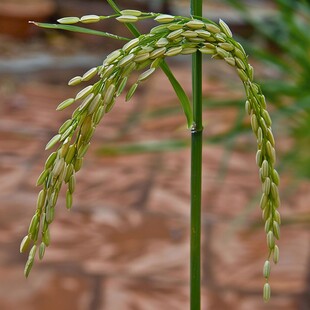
[196,167]
[114,6]
[132,28]
[196,160]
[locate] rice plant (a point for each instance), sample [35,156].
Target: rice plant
[146,53]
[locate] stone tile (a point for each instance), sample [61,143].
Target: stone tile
[17,152]
[144,294]
[170,193]
[35,109]
[218,299]
[240,255]
[105,180]
[44,290]
[112,242]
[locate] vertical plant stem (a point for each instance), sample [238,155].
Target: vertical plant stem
[196,161]
[196,167]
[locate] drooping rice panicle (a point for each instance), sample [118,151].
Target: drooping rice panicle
[173,36]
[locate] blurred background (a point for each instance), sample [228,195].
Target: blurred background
[125,243]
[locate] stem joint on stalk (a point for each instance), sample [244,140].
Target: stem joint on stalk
[195,129]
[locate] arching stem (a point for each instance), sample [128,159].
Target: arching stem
[196,167]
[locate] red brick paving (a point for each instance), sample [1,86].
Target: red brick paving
[125,243]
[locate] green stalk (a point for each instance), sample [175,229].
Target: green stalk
[196,167]
[196,158]
[132,28]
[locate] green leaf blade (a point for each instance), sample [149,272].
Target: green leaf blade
[80,30]
[185,103]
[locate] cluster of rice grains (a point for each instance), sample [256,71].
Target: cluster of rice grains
[174,36]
